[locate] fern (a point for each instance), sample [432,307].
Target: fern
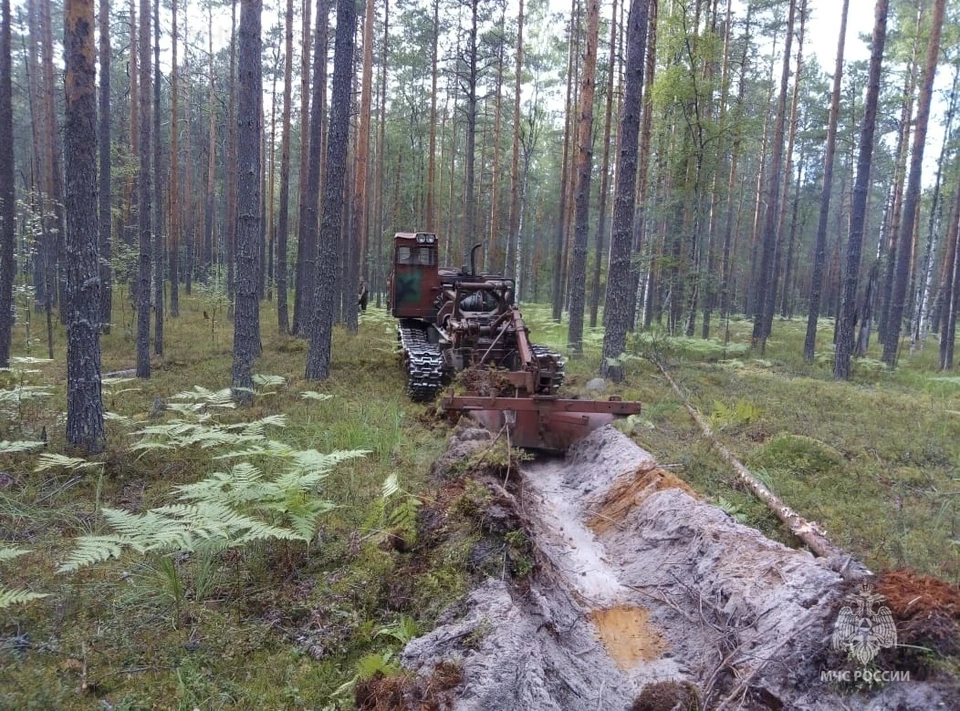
[313,395]
[207,398]
[51,460]
[9,597]
[10,553]
[225,510]
[19,447]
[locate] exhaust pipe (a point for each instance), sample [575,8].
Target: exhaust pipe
[473,258]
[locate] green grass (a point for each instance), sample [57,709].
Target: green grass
[270,626]
[281,625]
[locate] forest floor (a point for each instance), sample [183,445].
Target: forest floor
[280,625]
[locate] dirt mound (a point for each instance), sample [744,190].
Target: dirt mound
[645,593]
[926,610]
[461,445]
[630,491]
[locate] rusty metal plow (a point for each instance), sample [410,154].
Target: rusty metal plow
[543,422]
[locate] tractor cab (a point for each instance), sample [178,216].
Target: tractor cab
[415,278]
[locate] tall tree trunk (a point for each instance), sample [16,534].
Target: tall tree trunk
[103,176]
[848,301]
[57,267]
[900,174]
[770,301]
[321,333]
[619,299]
[175,209]
[209,254]
[360,226]
[559,262]
[820,249]
[643,170]
[188,230]
[381,152]
[604,173]
[497,254]
[283,317]
[584,170]
[431,219]
[267,280]
[8,208]
[951,288]
[158,253]
[767,278]
[513,216]
[299,327]
[726,266]
[912,199]
[231,216]
[468,81]
[921,316]
[246,329]
[307,285]
[84,401]
[144,186]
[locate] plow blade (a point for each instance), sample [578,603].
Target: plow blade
[541,422]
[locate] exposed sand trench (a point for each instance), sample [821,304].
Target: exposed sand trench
[640,582]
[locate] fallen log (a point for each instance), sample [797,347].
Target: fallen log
[807,531]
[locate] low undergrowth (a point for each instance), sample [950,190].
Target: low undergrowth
[314,616]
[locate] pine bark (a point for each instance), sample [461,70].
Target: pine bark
[584,170]
[175,209]
[7,194]
[845,322]
[158,252]
[145,194]
[469,76]
[103,175]
[56,265]
[912,197]
[431,218]
[246,328]
[558,261]
[321,333]
[362,163]
[604,173]
[283,227]
[826,192]
[618,307]
[513,216]
[84,401]
[950,291]
[302,194]
[767,278]
[231,216]
[307,247]
[208,248]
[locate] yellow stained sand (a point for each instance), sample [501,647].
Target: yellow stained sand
[627,635]
[631,491]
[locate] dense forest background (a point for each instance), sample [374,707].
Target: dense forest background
[766,184]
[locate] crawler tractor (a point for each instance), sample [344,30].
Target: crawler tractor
[451,320]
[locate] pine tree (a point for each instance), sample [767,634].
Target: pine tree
[321,332]
[618,306]
[851,275]
[246,329]
[84,402]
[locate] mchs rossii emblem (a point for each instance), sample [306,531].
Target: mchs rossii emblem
[864,626]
